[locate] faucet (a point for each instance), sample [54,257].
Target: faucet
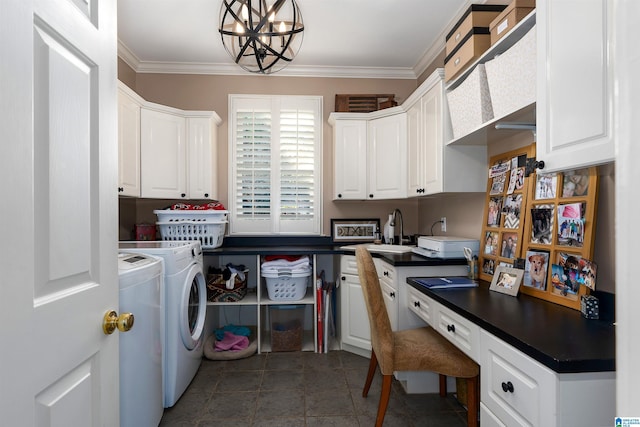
[397,212]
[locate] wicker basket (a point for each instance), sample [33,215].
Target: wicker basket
[288,339]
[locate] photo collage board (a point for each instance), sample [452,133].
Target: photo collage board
[560,232]
[504,214]
[543,224]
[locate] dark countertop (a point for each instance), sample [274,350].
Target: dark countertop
[556,336]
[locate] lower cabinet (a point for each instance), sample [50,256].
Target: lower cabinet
[519,391]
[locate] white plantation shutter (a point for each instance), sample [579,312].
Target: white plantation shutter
[275,178]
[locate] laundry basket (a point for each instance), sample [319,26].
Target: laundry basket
[207,226]
[284,285]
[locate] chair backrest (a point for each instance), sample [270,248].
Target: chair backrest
[381,334]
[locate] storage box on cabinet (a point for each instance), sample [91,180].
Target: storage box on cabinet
[470,103]
[512,76]
[469,38]
[509,17]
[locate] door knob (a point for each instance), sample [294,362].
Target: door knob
[111,321]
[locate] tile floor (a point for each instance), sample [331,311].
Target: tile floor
[301,389]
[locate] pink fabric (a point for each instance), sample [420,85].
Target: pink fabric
[232,342]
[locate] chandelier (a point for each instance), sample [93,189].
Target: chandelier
[260,38]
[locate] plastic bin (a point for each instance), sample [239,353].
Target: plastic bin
[287,327]
[208,226]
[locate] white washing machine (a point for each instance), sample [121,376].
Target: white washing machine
[185,306]
[141,397]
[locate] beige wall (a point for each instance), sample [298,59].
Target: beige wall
[464,212]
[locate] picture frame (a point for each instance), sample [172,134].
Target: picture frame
[507,280]
[354,230]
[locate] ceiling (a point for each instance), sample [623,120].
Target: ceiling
[342,38]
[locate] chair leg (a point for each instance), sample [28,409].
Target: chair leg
[373,364]
[384,399]
[473,401]
[443,385]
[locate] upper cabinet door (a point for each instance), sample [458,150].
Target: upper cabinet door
[415,151]
[387,157]
[574,84]
[350,160]
[128,144]
[164,154]
[202,164]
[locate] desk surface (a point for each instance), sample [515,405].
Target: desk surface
[556,336]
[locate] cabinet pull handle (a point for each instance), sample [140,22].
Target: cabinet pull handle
[416,304]
[120,189]
[507,387]
[386,273]
[343,278]
[206,194]
[371,196]
[451,328]
[392,294]
[183,195]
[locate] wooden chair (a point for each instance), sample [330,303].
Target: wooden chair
[419,349]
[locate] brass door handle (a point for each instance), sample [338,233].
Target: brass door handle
[112,321]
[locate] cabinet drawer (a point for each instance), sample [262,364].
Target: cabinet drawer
[348,265]
[488,419]
[462,333]
[386,272]
[515,389]
[421,305]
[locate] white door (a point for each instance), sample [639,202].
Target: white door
[58,227]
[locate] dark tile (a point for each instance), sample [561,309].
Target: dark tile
[280,404]
[283,380]
[350,360]
[323,402]
[449,419]
[325,379]
[356,378]
[316,361]
[426,404]
[285,360]
[233,405]
[239,381]
[255,362]
[390,420]
[333,422]
[279,422]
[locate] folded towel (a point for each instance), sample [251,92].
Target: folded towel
[232,342]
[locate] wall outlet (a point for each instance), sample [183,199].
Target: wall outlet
[443,224]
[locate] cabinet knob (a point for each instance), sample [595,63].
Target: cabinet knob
[451,328]
[339,196]
[120,189]
[371,196]
[386,273]
[507,387]
[206,194]
[392,294]
[416,304]
[183,195]
[343,278]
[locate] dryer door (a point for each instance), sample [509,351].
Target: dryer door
[193,307]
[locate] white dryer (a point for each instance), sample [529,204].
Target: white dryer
[141,397]
[185,306]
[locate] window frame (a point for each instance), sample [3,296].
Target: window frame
[275,225]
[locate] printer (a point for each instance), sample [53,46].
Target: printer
[445,247]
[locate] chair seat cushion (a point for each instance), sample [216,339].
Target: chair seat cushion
[423,349]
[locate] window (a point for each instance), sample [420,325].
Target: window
[275,155]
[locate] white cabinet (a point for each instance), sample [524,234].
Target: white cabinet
[350,159]
[128,141]
[519,391]
[434,167]
[354,321]
[575,84]
[202,147]
[164,154]
[369,155]
[388,157]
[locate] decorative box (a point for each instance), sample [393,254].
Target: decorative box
[512,76]
[470,103]
[469,38]
[509,17]
[589,307]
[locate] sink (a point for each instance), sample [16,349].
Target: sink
[396,249]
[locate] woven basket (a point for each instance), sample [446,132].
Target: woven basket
[217,288]
[289,339]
